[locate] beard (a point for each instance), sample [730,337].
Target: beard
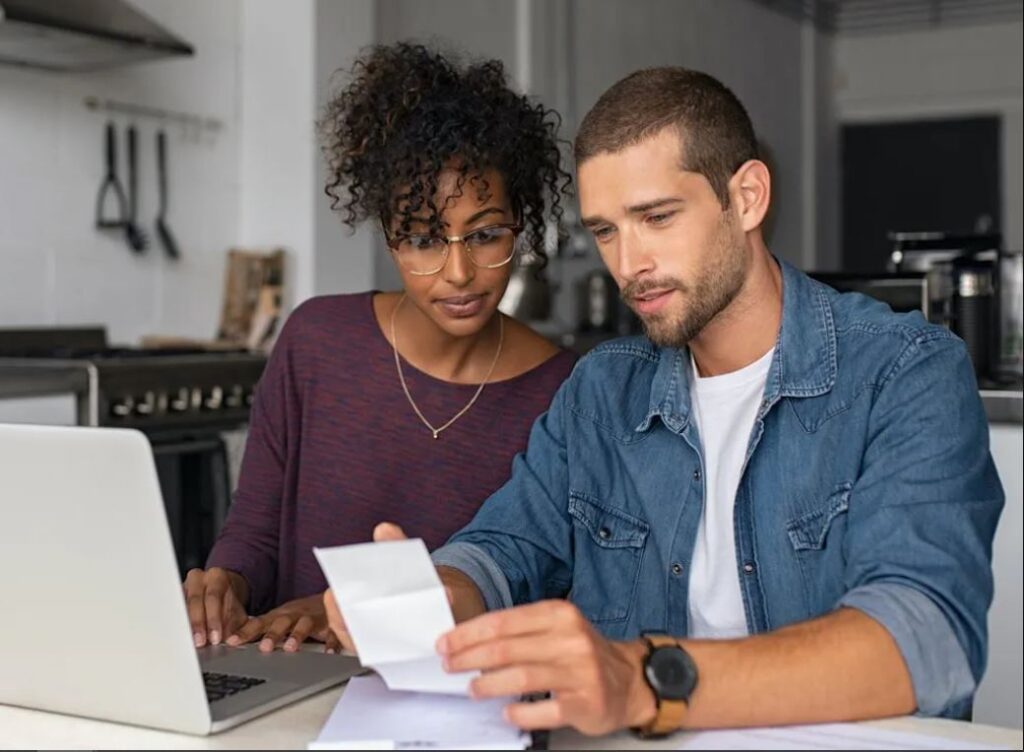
[714,288]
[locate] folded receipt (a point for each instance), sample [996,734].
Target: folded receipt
[395,608]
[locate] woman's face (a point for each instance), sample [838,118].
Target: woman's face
[462,297]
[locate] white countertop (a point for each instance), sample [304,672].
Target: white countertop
[293,727]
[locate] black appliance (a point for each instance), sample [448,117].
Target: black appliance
[963,273]
[904,292]
[182,399]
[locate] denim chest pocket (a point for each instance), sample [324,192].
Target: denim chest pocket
[609,548]
[817,540]
[810,532]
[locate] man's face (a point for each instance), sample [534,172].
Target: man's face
[679,258]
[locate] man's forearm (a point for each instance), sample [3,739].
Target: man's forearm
[841,667]
[463,594]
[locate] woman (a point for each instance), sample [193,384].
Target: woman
[404,406]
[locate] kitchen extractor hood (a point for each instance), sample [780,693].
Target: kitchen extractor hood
[81,35]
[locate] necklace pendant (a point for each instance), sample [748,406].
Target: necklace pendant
[435,434]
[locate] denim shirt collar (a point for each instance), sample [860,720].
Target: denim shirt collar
[803,365]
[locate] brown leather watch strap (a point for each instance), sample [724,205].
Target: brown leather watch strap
[670,713]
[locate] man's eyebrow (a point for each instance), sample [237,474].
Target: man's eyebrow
[646,206]
[655,204]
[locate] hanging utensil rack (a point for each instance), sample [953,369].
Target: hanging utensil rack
[186,119]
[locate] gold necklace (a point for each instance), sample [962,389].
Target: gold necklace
[405,388]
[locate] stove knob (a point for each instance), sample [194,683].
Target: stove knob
[179,403]
[122,408]
[235,398]
[196,398]
[215,399]
[249,397]
[147,405]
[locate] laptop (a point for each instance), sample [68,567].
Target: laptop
[94,619]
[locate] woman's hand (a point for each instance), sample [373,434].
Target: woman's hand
[291,623]
[214,598]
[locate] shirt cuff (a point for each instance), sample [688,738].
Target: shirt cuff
[478,566]
[936,660]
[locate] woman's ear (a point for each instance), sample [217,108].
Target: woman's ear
[750,191]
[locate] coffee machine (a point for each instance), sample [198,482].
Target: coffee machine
[964,289]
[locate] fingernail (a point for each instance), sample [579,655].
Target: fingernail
[441,645]
[197,638]
[233,640]
[331,651]
[266,644]
[290,644]
[215,637]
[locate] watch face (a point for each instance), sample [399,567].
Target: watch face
[672,673]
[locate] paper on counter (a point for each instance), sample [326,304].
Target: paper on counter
[821,736]
[395,608]
[370,716]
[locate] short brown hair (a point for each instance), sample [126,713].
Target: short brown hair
[716,135]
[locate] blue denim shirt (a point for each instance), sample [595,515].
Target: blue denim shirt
[868,484]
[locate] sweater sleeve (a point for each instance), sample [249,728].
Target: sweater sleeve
[249,541]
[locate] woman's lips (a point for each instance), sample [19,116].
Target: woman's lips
[651,301]
[462,306]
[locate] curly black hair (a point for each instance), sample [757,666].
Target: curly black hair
[408,111]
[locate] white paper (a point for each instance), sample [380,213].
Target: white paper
[823,736]
[370,716]
[395,608]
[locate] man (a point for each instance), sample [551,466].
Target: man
[791,485]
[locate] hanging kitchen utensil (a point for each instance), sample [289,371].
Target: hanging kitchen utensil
[137,238]
[111,185]
[163,231]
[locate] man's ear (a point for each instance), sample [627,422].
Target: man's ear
[750,191]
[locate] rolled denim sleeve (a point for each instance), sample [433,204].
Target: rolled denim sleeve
[476,564]
[936,660]
[518,547]
[922,517]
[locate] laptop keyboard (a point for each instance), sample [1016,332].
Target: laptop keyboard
[219,686]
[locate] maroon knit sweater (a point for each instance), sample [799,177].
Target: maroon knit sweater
[335,448]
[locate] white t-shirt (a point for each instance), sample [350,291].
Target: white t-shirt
[725,408]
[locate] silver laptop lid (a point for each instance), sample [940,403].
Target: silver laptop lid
[94,620]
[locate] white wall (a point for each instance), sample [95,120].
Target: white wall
[1000,698]
[289,52]
[957,71]
[262,68]
[277,172]
[55,268]
[344,260]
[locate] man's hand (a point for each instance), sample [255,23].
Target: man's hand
[293,622]
[463,595]
[214,597]
[597,686]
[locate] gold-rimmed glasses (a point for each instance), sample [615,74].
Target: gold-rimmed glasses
[423,254]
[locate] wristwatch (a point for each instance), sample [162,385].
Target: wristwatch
[672,676]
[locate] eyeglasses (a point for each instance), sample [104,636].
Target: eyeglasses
[489,247]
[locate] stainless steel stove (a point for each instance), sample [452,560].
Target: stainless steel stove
[183,399]
[153,390]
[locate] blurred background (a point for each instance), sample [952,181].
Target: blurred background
[893,129]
